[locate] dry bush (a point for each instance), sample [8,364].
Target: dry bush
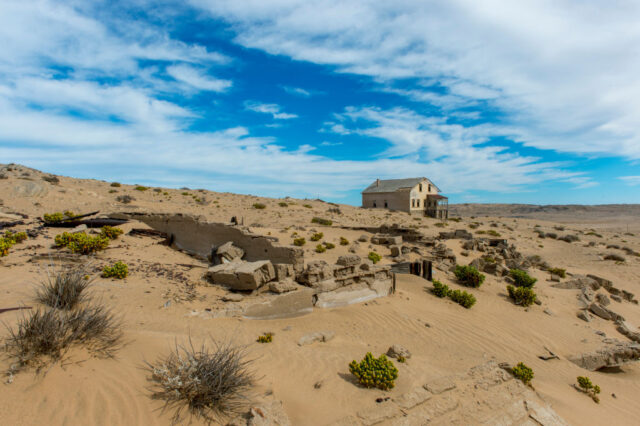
[209,383]
[63,289]
[46,335]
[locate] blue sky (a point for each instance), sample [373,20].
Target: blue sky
[527,102]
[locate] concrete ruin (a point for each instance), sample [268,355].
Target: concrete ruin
[275,274]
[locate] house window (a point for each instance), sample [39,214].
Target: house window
[429,187]
[374,204]
[418,203]
[385,204]
[413,203]
[420,188]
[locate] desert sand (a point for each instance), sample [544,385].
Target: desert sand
[454,351]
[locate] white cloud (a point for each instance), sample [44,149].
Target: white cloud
[197,79]
[273,109]
[630,180]
[565,74]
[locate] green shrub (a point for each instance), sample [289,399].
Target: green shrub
[481,232]
[317,236]
[493,233]
[119,270]
[562,273]
[141,188]
[463,298]
[112,191]
[469,276]
[259,206]
[440,224]
[321,221]
[375,372]
[455,219]
[283,204]
[523,296]
[522,372]
[299,242]
[329,246]
[110,232]
[401,359]
[522,279]
[344,241]
[374,257]
[307,206]
[589,388]
[320,248]
[439,289]
[58,217]
[81,242]
[9,240]
[265,338]
[116,184]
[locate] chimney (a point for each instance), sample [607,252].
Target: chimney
[377,182]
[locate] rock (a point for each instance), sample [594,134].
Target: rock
[363,238]
[319,336]
[584,316]
[616,298]
[229,253]
[625,329]
[600,311]
[349,260]
[291,304]
[578,282]
[316,271]
[555,278]
[386,239]
[612,356]
[396,350]
[440,385]
[284,286]
[283,271]
[548,312]
[79,228]
[603,299]
[242,275]
[232,297]
[569,238]
[395,251]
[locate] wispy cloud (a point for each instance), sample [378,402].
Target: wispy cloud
[195,78]
[630,180]
[298,91]
[273,109]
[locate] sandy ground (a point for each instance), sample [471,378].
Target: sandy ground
[444,338]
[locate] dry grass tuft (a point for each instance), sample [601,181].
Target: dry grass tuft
[209,383]
[64,288]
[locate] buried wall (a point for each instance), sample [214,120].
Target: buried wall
[196,236]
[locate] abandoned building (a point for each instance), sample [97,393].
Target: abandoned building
[418,196]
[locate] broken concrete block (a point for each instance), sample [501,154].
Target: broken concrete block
[344,297]
[229,253]
[242,275]
[349,260]
[283,271]
[319,336]
[283,286]
[397,350]
[395,251]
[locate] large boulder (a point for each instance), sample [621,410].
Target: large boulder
[242,275]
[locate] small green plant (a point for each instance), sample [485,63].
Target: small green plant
[81,243]
[112,191]
[463,298]
[344,241]
[283,204]
[440,224]
[265,338]
[58,217]
[401,359]
[110,232]
[329,246]
[375,372]
[307,206]
[116,184]
[469,276]
[589,388]
[374,257]
[562,273]
[259,206]
[455,219]
[439,289]
[481,232]
[299,242]
[522,372]
[521,278]
[141,188]
[493,233]
[523,296]
[321,221]
[9,240]
[317,236]
[119,270]
[320,248]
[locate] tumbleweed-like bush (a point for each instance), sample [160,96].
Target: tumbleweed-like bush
[81,243]
[322,221]
[375,372]
[64,288]
[299,242]
[317,236]
[344,241]
[374,257]
[439,289]
[320,248]
[110,232]
[522,372]
[521,278]
[45,335]
[522,296]
[208,383]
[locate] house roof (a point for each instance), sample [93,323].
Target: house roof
[392,185]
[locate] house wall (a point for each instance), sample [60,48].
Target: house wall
[398,200]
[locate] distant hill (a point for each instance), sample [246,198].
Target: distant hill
[568,212]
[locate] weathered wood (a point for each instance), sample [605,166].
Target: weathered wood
[91,223]
[427,270]
[11,224]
